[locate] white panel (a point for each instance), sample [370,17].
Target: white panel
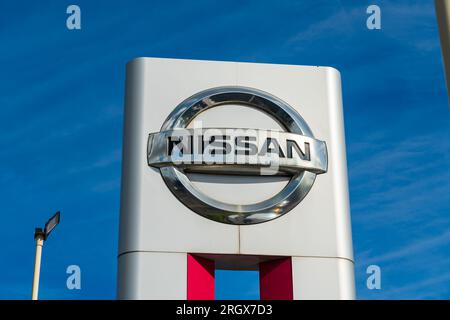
[323,279]
[235,189]
[152,275]
[319,225]
[152,219]
[234,116]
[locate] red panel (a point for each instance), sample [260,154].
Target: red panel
[275,279]
[200,278]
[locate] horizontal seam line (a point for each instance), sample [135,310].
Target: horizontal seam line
[234,254]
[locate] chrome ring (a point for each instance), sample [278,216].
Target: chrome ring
[263,211]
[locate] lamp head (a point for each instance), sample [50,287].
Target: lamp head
[51,224]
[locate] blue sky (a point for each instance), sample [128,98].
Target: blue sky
[61,113]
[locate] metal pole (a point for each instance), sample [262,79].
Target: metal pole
[443,16]
[39,237]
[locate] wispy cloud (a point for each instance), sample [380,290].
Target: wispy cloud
[103,161]
[429,288]
[106,186]
[411,250]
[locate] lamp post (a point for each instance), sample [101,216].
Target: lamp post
[443,18]
[40,236]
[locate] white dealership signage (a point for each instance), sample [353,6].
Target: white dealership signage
[234,166]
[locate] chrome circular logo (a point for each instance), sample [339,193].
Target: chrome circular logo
[177,150]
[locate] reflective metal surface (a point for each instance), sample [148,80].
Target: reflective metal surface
[289,153]
[173,169]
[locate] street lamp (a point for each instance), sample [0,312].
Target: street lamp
[40,236]
[443,17]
